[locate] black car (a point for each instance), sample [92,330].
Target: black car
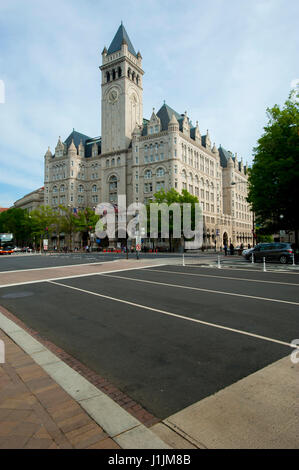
[281,252]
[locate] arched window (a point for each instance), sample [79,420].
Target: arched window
[119,72]
[160,172]
[113,162]
[148,174]
[108,76]
[94,188]
[129,72]
[62,188]
[107,163]
[80,188]
[113,189]
[113,74]
[118,161]
[133,76]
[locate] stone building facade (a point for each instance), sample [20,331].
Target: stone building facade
[137,157]
[31,201]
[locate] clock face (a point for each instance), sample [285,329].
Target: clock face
[113,96]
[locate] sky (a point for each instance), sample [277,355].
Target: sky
[222,61]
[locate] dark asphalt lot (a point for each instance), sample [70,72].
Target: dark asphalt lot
[19,261]
[164,362]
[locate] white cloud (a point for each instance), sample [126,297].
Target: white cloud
[223,62]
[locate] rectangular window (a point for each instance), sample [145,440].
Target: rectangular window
[148,187]
[160,185]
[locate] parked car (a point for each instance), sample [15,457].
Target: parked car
[279,251]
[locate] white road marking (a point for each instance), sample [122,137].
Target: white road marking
[222,277]
[181,317]
[214,266]
[53,267]
[38,281]
[114,419]
[204,290]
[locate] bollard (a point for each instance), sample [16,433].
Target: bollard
[183,259]
[264,268]
[294,259]
[219,263]
[252,258]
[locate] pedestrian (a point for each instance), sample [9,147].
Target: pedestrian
[225,249]
[232,249]
[249,246]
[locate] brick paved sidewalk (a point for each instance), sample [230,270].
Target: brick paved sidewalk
[36,413]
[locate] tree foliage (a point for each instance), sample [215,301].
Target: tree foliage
[170,197]
[274,176]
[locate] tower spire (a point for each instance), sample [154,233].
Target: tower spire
[121,37]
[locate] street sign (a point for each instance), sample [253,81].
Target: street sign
[45,243]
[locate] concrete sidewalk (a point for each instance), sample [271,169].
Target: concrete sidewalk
[36,413]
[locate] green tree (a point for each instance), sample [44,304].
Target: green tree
[68,223]
[274,176]
[16,221]
[42,224]
[170,197]
[85,223]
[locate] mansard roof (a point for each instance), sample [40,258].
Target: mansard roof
[76,137]
[224,156]
[87,141]
[165,114]
[119,38]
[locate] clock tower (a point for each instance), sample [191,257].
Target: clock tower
[122,106]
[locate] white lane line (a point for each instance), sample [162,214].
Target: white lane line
[53,267]
[181,317]
[222,277]
[249,270]
[115,420]
[38,281]
[204,290]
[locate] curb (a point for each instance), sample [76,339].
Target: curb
[126,430]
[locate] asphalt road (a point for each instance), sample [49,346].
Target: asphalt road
[132,332]
[18,262]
